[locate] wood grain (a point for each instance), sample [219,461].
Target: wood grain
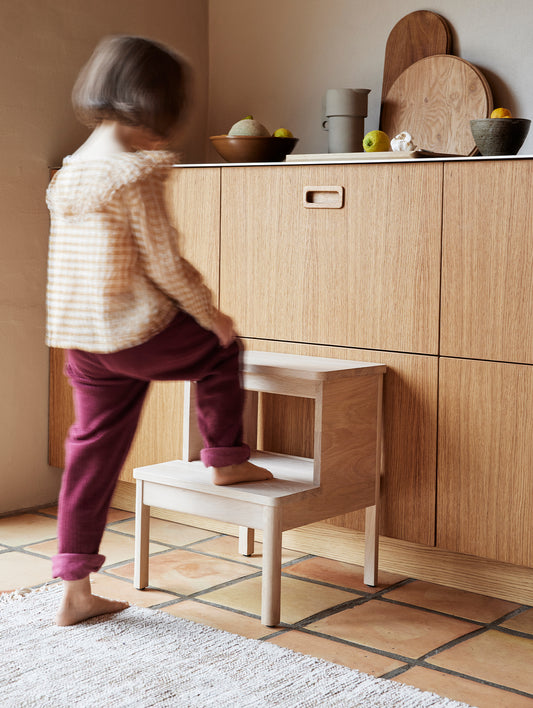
[485,481]
[434,99]
[410,435]
[193,199]
[417,35]
[60,409]
[366,275]
[487,261]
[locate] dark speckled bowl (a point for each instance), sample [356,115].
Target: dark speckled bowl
[499,136]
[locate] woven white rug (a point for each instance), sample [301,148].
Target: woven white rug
[142,657]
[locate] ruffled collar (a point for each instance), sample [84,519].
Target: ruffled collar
[86,185]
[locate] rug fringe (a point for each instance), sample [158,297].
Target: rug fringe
[22,593]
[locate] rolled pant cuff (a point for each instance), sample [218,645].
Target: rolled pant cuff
[75,566]
[224,456]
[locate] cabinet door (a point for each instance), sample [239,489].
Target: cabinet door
[487,261]
[193,199]
[366,274]
[410,435]
[485,471]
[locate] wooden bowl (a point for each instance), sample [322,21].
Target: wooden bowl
[251,148]
[499,136]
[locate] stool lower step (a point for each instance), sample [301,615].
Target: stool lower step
[293,478]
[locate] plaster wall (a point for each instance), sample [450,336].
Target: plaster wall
[42,47]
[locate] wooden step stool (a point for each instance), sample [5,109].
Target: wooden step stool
[342,476]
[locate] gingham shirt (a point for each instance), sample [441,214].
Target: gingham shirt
[115,274]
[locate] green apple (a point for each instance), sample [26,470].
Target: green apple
[376,141]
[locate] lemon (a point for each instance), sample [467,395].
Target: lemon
[282,133]
[376,141]
[501,113]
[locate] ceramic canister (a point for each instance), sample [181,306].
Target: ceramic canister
[345,110]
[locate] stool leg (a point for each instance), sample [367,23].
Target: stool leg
[271,580]
[246,541]
[372,512]
[249,417]
[192,440]
[142,538]
[371,546]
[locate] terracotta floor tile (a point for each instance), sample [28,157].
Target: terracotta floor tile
[336,652]
[22,570]
[24,529]
[522,622]
[168,532]
[459,689]
[219,618]
[102,584]
[113,515]
[342,574]
[493,656]
[228,547]
[118,515]
[185,572]
[115,547]
[454,602]
[401,630]
[299,599]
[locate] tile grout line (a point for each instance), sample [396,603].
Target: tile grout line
[360,599]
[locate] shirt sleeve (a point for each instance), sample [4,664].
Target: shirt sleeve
[157,242]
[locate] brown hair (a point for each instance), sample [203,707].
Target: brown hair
[134,81]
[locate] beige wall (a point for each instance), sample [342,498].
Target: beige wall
[43,43]
[275,59]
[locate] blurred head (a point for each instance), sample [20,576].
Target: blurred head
[134,81]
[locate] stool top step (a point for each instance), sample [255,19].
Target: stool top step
[315,368]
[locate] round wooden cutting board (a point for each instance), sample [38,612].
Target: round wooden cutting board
[434,99]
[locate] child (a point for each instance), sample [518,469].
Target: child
[125,305]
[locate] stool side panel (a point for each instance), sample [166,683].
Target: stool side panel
[349,432]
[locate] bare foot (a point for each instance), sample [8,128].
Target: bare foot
[79,604]
[244,472]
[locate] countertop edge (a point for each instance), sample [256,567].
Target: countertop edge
[296,163]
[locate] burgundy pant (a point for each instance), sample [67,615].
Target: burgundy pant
[109,391]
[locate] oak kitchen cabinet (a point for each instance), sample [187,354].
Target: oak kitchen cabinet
[420,265]
[485,461]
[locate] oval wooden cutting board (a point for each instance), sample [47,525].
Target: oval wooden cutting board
[417,35]
[434,99]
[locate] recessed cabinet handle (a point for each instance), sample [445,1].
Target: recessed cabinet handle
[324,197]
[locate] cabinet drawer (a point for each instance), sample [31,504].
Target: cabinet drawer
[487,261]
[362,270]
